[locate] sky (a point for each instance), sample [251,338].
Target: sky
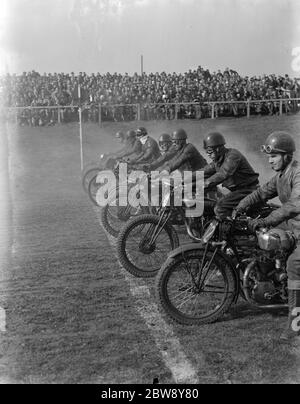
[253,37]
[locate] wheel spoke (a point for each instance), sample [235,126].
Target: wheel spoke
[186,298]
[214,292]
[183,292]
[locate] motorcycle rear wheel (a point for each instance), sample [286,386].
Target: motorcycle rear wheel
[181,297]
[135,255]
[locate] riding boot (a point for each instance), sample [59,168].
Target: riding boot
[291,333]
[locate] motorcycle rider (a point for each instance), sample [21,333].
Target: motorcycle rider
[230,168]
[132,146]
[110,158]
[149,150]
[279,147]
[120,138]
[167,152]
[164,143]
[186,157]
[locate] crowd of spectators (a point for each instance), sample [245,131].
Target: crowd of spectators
[147,96]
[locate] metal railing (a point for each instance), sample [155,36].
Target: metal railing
[99,113]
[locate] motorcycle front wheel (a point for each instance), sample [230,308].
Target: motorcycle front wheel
[196,290]
[93,189]
[143,245]
[87,176]
[113,218]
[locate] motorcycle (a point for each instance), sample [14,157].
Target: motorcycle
[199,282]
[114,216]
[105,162]
[112,164]
[145,240]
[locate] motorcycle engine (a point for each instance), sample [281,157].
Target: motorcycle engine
[265,280]
[263,292]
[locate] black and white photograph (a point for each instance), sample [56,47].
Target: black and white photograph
[150,194]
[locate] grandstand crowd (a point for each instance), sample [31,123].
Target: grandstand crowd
[147,96]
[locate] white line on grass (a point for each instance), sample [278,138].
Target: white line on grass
[165,339]
[2,320]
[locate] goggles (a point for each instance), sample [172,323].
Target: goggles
[141,133]
[269,149]
[210,150]
[177,141]
[164,143]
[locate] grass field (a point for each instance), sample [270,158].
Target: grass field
[70,314]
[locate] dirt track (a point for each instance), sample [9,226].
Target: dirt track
[70,317]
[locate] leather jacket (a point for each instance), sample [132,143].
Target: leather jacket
[186,159]
[131,147]
[164,158]
[285,185]
[149,153]
[232,170]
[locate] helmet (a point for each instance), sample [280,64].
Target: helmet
[165,137]
[179,134]
[120,135]
[279,142]
[131,134]
[141,132]
[213,139]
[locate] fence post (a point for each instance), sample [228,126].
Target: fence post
[176,111]
[286,107]
[212,111]
[99,115]
[280,107]
[58,115]
[248,109]
[138,111]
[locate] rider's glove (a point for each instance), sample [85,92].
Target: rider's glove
[238,211]
[146,167]
[242,207]
[206,184]
[234,214]
[255,224]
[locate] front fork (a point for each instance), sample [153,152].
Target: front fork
[198,280]
[155,230]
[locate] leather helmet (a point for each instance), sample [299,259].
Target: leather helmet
[179,134]
[279,142]
[165,137]
[213,139]
[131,134]
[141,132]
